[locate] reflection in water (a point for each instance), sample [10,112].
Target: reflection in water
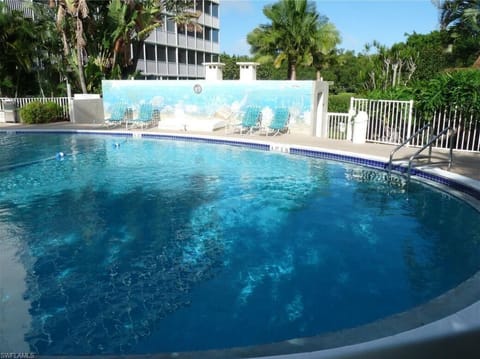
[101,287]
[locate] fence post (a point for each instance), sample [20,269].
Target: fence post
[409,123]
[71,113]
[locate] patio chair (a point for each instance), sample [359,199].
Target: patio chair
[251,120]
[279,122]
[117,116]
[225,117]
[145,116]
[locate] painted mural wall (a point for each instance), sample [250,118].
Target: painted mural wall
[200,99]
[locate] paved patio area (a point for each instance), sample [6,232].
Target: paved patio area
[464,163]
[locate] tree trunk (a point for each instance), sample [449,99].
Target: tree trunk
[81,74]
[319,75]
[476,64]
[293,72]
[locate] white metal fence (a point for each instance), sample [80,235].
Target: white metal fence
[338,125]
[22,101]
[392,122]
[467,126]
[23,6]
[389,121]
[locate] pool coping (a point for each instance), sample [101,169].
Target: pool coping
[453,313]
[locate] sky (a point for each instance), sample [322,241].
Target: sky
[358,21]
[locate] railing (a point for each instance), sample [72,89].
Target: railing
[338,125]
[22,101]
[390,121]
[466,124]
[404,143]
[429,145]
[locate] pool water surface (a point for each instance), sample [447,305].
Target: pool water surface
[135,246]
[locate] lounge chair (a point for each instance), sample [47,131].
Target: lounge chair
[251,120]
[224,117]
[145,116]
[117,116]
[279,122]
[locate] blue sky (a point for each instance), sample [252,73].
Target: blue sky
[359,21]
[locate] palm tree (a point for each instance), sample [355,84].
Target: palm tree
[293,28]
[72,33]
[324,42]
[460,18]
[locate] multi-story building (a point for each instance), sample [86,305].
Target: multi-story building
[172,51]
[176,52]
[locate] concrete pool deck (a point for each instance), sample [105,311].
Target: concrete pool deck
[464,163]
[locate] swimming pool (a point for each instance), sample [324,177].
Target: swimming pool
[138,246]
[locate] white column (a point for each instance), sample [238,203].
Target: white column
[248,71]
[213,71]
[360,122]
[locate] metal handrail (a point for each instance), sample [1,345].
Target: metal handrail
[429,144]
[404,143]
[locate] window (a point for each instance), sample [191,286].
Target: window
[214,10]
[182,56]
[200,59]
[191,31]
[215,58]
[135,50]
[215,35]
[191,57]
[208,33]
[149,51]
[161,53]
[171,54]
[208,57]
[163,22]
[181,29]
[207,7]
[170,25]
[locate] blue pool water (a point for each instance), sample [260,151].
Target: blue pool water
[136,246]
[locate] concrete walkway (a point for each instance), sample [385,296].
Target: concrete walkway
[464,163]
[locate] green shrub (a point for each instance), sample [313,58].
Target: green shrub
[400,93]
[458,89]
[38,112]
[340,102]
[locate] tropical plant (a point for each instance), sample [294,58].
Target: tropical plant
[71,15]
[17,34]
[458,90]
[98,36]
[461,19]
[291,35]
[323,45]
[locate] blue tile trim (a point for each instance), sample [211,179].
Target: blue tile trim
[383,166]
[257,146]
[338,157]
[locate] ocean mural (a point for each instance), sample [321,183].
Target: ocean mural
[200,99]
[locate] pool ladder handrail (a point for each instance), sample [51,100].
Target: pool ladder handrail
[429,144]
[416,134]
